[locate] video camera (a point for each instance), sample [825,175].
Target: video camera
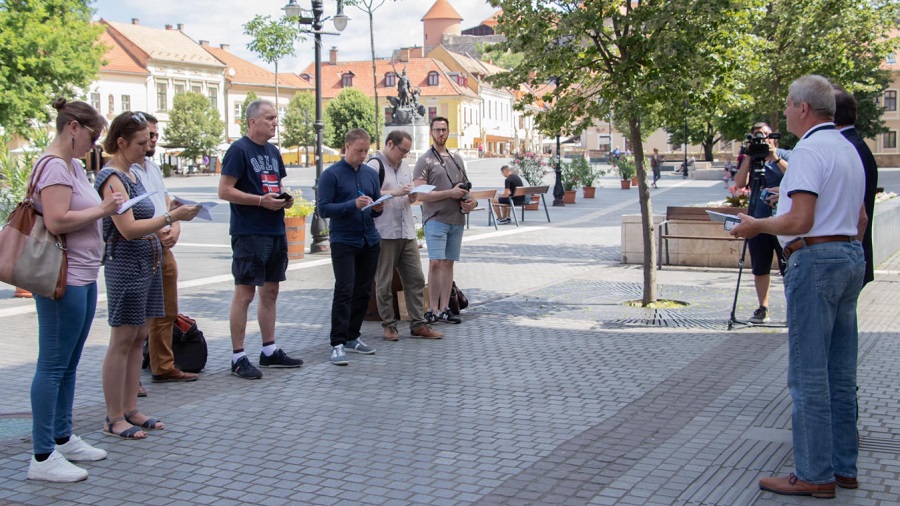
[757,147]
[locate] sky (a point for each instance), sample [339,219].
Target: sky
[221,22]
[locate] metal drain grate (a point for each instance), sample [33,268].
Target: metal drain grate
[874,444]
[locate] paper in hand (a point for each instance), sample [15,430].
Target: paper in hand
[729,220]
[379,201]
[423,188]
[128,204]
[204,207]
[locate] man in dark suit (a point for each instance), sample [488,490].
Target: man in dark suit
[844,120]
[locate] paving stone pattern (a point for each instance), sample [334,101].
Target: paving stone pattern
[550,392]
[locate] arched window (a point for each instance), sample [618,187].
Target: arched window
[433,79]
[306,77]
[390,79]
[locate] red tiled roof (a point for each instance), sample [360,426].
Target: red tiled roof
[118,59]
[417,69]
[250,74]
[492,21]
[442,10]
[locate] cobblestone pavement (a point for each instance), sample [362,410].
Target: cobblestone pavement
[550,392]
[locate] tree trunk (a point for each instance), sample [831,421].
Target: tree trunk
[647,226]
[374,82]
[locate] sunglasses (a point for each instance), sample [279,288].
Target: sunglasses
[94,134]
[153,135]
[139,118]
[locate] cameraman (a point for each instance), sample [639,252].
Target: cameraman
[763,246]
[442,215]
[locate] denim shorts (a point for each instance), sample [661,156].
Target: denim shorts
[444,241]
[258,259]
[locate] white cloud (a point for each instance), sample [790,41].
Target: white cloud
[396,24]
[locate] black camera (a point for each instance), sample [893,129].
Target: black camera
[466,185]
[757,147]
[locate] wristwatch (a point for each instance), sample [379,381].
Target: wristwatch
[776,160]
[168,218]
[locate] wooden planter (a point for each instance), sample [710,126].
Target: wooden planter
[634,180]
[296,236]
[626,183]
[589,191]
[569,196]
[534,205]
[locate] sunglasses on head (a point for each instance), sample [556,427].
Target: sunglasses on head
[139,118]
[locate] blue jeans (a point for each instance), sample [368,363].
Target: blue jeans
[63,327]
[821,285]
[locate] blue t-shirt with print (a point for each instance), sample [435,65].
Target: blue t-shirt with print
[258,169]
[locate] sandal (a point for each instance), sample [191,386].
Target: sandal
[130,433]
[149,423]
[391,333]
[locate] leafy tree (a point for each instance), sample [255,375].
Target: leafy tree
[631,59]
[299,120]
[194,125]
[49,49]
[490,53]
[251,96]
[272,41]
[350,109]
[843,40]
[369,7]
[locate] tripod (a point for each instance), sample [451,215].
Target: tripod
[757,171]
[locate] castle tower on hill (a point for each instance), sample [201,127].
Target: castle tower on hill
[441,19]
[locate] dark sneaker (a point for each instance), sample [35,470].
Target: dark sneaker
[278,359]
[504,221]
[357,346]
[338,357]
[761,315]
[430,317]
[447,316]
[244,369]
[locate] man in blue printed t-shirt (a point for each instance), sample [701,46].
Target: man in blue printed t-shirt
[252,171]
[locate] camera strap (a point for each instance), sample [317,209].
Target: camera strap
[461,170]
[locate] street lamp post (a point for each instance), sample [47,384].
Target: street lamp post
[318,229]
[558,188]
[685,173]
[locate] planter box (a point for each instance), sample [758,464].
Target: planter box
[569,196]
[694,253]
[296,236]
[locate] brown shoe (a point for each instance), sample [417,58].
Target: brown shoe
[391,333]
[791,485]
[846,481]
[174,375]
[425,332]
[142,392]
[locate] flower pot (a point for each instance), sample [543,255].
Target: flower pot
[626,183]
[634,180]
[589,191]
[569,197]
[533,206]
[295,227]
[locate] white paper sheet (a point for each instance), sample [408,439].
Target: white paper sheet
[128,204]
[381,199]
[425,188]
[204,207]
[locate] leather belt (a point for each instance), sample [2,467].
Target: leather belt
[802,242]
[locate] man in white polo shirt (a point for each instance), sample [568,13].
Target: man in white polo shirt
[819,224]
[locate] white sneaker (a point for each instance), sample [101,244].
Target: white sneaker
[76,450]
[55,468]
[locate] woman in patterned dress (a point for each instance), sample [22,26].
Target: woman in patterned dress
[133,274]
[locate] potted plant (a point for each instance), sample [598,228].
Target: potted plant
[295,224]
[569,177]
[626,168]
[530,166]
[586,175]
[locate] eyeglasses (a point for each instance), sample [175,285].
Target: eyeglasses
[439,130]
[94,134]
[402,151]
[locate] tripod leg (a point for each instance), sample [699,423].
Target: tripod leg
[737,286]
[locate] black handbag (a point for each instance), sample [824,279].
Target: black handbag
[458,300]
[188,346]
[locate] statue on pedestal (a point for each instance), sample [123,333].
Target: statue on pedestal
[406,103]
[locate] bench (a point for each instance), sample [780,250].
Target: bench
[483,195]
[527,192]
[687,215]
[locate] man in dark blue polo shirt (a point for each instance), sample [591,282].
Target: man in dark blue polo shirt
[345,189]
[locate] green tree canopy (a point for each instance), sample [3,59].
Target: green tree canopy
[299,120]
[350,109]
[272,41]
[251,96]
[194,125]
[631,59]
[48,49]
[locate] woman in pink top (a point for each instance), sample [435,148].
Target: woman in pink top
[71,207]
